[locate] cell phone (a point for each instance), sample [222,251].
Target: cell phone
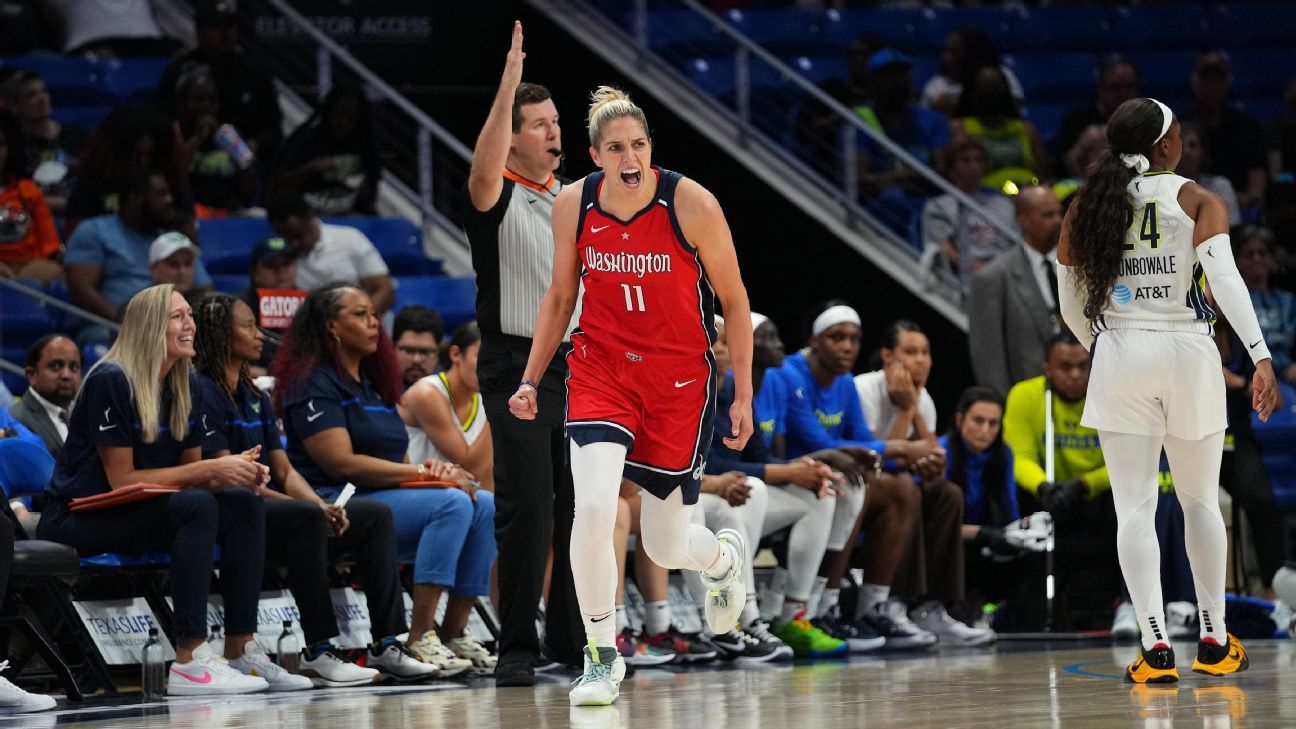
[347,492]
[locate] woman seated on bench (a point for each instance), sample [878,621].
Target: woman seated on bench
[134,422]
[237,416]
[337,386]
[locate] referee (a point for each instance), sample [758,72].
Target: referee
[511,189]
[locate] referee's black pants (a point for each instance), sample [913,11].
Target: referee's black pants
[534,504]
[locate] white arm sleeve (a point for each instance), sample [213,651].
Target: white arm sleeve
[1230,291]
[1071,304]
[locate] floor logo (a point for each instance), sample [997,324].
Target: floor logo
[1121,294]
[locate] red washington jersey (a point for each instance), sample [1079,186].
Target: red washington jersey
[646,292]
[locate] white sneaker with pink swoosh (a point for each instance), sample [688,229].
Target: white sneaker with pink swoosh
[208,674]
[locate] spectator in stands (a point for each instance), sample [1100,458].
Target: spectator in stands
[337,388]
[897,407]
[247,94]
[171,260]
[417,334]
[802,494]
[1014,146]
[1193,164]
[955,239]
[53,368]
[1118,82]
[302,530]
[982,466]
[1079,161]
[823,412]
[1234,139]
[1012,305]
[29,242]
[967,50]
[52,147]
[818,127]
[107,259]
[214,156]
[1274,307]
[443,412]
[109,28]
[135,422]
[131,135]
[332,158]
[891,110]
[1243,472]
[329,253]
[1282,139]
[274,280]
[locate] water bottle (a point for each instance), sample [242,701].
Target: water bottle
[229,140]
[289,648]
[153,665]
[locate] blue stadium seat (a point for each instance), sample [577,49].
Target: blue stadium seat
[455,298]
[24,315]
[15,382]
[1249,25]
[782,32]
[226,242]
[132,79]
[1047,118]
[1147,27]
[71,80]
[683,33]
[1164,74]
[1079,28]
[1262,71]
[997,23]
[819,68]
[1049,77]
[86,117]
[398,240]
[1277,437]
[230,283]
[716,77]
[899,27]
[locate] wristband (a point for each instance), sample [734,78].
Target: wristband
[529,383]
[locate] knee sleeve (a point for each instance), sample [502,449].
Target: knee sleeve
[845,514]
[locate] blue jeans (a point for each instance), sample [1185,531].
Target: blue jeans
[449,537]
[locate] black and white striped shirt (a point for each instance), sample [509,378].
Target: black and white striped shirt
[512,251]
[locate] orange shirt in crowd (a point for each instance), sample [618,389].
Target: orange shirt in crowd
[27,229]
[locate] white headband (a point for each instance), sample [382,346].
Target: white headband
[1139,163]
[833,316]
[757,320]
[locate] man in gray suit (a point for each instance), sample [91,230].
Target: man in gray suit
[1013,303]
[53,377]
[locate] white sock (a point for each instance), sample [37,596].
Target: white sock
[622,622]
[828,601]
[791,608]
[1212,624]
[870,596]
[600,628]
[657,617]
[816,594]
[1152,629]
[719,569]
[750,612]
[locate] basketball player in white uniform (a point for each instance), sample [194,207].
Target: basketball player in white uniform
[1131,259]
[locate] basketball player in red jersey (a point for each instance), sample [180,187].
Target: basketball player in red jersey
[653,251]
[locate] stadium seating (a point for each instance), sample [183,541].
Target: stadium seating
[453,297]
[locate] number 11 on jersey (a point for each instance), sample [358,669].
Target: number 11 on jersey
[638,295]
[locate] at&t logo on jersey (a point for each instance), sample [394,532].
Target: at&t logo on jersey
[1121,294]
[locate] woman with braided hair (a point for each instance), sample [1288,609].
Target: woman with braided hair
[1134,249]
[302,530]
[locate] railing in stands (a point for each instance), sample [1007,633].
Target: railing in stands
[427,163]
[772,102]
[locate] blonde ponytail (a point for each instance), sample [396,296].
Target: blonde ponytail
[608,103]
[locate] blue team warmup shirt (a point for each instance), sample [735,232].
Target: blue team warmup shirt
[105,415]
[770,405]
[721,458]
[822,417]
[975,508]
[236,426]
[328,399]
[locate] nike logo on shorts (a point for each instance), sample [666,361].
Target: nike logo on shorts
[686,382]
[106,427]
[311,418]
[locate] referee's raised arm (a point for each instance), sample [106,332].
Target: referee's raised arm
[491,151]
